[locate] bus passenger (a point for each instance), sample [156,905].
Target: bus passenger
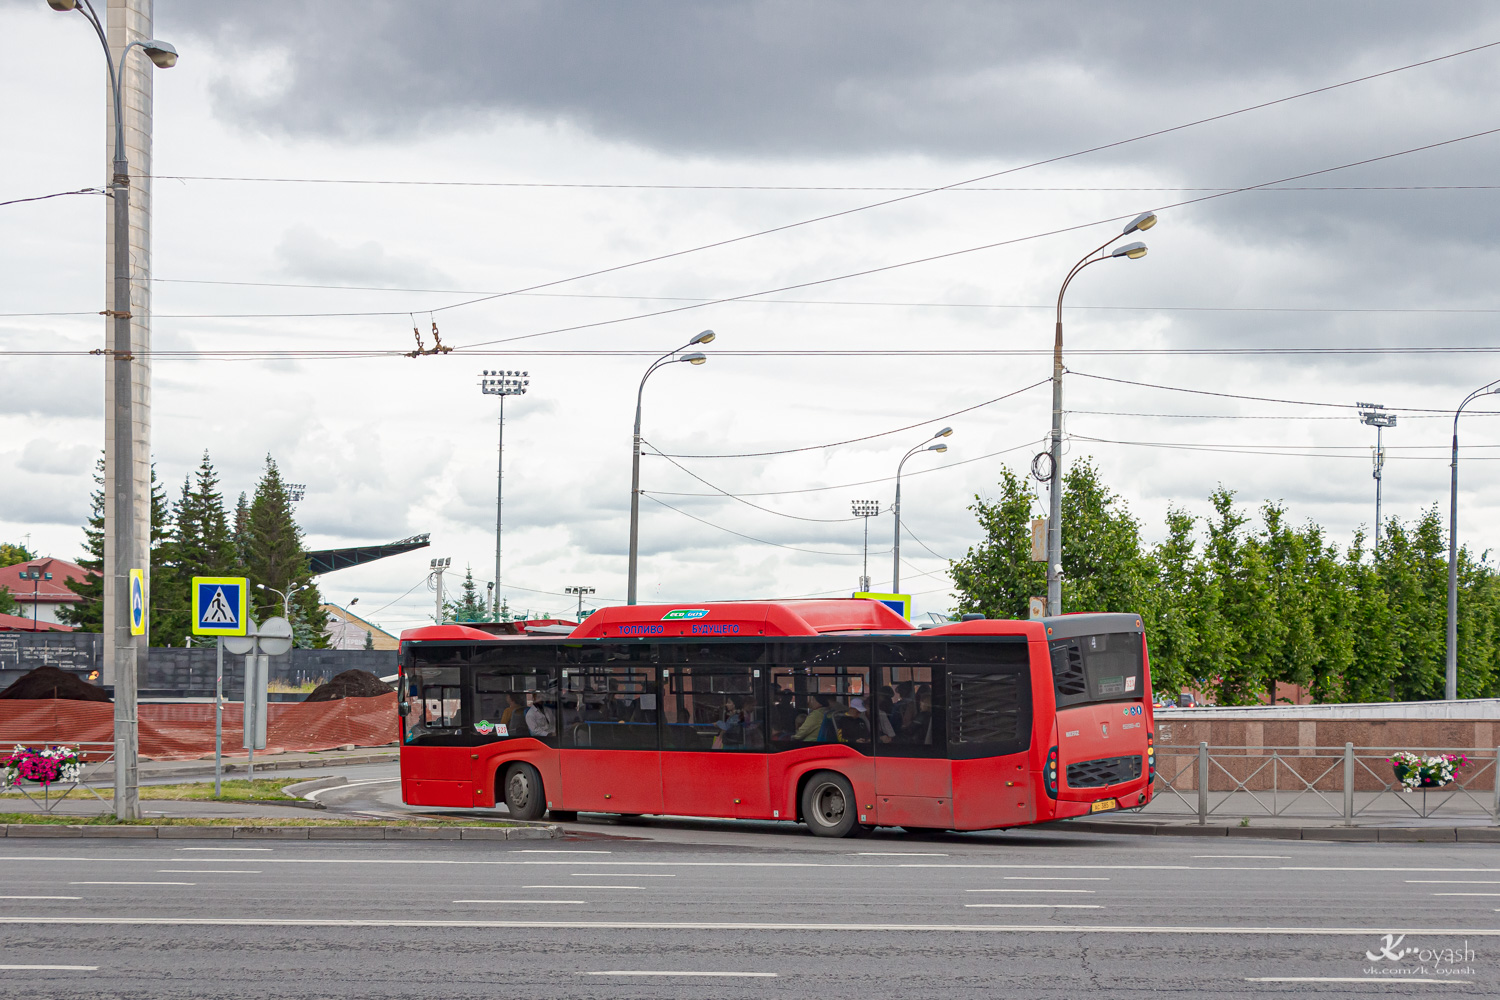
[883,716]
[905,708]
[812,726]
[783,716]
[851,726]
[511,718]
[538,721]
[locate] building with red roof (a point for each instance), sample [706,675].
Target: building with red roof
[43,597]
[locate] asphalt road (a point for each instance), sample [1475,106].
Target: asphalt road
[677,909]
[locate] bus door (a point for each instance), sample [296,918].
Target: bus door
[713,760]
[514,699]
[913,781]
[608,712]
[989,713]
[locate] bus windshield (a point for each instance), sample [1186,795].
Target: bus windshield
[1097,668]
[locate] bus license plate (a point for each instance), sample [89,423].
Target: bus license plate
[1103,805]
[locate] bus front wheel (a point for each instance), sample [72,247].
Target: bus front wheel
[523,792]
[828,805]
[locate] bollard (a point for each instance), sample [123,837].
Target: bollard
[1348,784]
[1202,784]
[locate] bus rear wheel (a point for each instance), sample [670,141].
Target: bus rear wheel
[523,792]
[828,805]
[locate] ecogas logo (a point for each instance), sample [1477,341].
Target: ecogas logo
[1395,958]
[684,613]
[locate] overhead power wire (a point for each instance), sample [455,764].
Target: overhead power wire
[951,253]
[59,194]
[1280,451]
[1250,416]
[1257,399]
[762,541]
[983,177]
[747,503]
[960,189]
[866,437]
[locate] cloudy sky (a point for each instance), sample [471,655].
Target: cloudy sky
[508,145]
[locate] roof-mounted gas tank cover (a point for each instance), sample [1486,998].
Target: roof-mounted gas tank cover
[1068,626]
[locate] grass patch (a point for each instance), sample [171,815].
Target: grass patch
[35,819]
[235,790]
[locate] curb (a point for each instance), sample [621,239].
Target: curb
[1338,834]
[283,832]
[240,766]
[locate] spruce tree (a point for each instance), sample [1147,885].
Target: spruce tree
[470,606]
[87,615]
[275,557]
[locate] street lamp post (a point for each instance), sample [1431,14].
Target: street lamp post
[292,590]
[129,431]
[1132,251]
[695,358]
[1450,686]
[580,591]
[896,507]
[864,510]
[1371,414]
[501,384]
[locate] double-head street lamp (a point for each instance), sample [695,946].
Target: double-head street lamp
[896,507]
[864,510]
[129,430]
[1450,686]
[502,384]
[693,358]
[286,596]
[1131,251]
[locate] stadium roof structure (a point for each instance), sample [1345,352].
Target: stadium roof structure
[329,560]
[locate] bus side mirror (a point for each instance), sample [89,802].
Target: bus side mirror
[403,707]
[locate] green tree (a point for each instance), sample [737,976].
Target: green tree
[201,544]
[12,554]
[275,557]
[997,577]
[87,615]
[1103,568]
[1170,616]
[470,606]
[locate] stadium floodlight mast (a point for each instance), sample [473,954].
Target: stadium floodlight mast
[864,510]
[295,492]
[435,578]
[1130,251]
[896,507]
[1373,415]
[581,592]
[1450,685]
[128,425]
[502,384]
[671,357]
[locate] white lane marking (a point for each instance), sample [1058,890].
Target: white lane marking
[1347,979]
[1452,881]
[1057,878]
[540,850]
[618,875]
[1032,906]
[722,975]
[226,848]
[400,860]
[207,871]
[53,968]
[896,854]
[132,883]
[1466,894]
[312,796]
[580,887]
[1089,891]
[528,902]
[646,925]
[1242,857]
[41,897]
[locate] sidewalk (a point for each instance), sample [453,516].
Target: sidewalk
[239,764]
[1379,827]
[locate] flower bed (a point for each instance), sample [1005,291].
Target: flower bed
[45,766]
[1414,771]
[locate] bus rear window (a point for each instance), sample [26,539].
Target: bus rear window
[1094,668]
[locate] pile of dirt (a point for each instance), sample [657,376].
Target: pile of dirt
[50,682]
[350,684]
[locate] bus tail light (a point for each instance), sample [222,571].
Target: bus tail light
[1052,773]
[1150,759]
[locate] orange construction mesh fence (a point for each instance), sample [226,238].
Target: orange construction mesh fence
[186,731]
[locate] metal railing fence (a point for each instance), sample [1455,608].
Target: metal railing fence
[1339,783]
[98,769]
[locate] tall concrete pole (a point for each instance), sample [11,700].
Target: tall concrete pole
[127,392]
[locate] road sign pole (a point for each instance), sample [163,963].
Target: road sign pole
[219,716]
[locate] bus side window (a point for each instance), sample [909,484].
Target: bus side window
[820,693]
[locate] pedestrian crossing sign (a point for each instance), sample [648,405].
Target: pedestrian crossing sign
[219,605]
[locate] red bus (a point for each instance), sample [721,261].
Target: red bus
[836,713]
